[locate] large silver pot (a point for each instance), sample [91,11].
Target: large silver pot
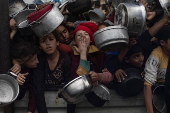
[166,6]
[16,7]
[9,89]
[132,16]
[22,22]
[112,38]
[48,22]
[76,88]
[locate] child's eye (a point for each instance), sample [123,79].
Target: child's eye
[65,31]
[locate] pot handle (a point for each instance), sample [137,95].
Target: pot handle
[12,74]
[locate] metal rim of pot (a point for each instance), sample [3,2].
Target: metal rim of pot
[48,22]
[134,21]
[166,6]
[99,95]
[112,38]
[153,99]
[12,86]
[72,96]
[97,15]
[126,87]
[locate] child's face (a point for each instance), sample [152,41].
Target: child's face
[80,34]
[136,59]
[48,44]
[63,35]
[32,62]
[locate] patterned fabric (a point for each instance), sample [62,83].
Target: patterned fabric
[155,67]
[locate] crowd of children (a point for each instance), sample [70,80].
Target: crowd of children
[42,63]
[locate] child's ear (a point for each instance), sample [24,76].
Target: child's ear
[162,43]
[126,59]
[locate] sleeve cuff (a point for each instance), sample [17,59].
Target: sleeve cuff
[81,71]
[147,83]
[85,64]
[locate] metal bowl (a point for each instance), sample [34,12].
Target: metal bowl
[112,38]
[132,16]
[9,89]
[76,88]
[166,6]
[16,7]
[22,15]
[97,15]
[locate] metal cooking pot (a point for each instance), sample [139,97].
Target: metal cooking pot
[22,15]
[166,6]
[158,98]
[79,6]
[99,95]
[132,16]
[22,22]
[48,22]
[16,7]
[9,89]
[131,85]
[76,88]
[112,38]
[97,15]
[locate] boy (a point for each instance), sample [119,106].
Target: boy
[24,56]
[156,65]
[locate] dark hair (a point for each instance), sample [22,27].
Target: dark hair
[134,49]
[163,34]
[23,49]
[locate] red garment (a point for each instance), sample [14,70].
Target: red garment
[38,14]
[65,48]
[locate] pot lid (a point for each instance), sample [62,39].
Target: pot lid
[102,92]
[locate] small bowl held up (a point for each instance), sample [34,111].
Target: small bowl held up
[97,15]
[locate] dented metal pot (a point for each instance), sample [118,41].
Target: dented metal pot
[112,38]
[48,22]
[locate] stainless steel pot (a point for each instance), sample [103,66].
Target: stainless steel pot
[79,6]
[48,22]
[16,7]
[22,15]
[99,95]
[9,89]
[132,16]
[166,6]
[126,88]
[112,38]
[158,98]
[22,22]
[97,15]
[76,88]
